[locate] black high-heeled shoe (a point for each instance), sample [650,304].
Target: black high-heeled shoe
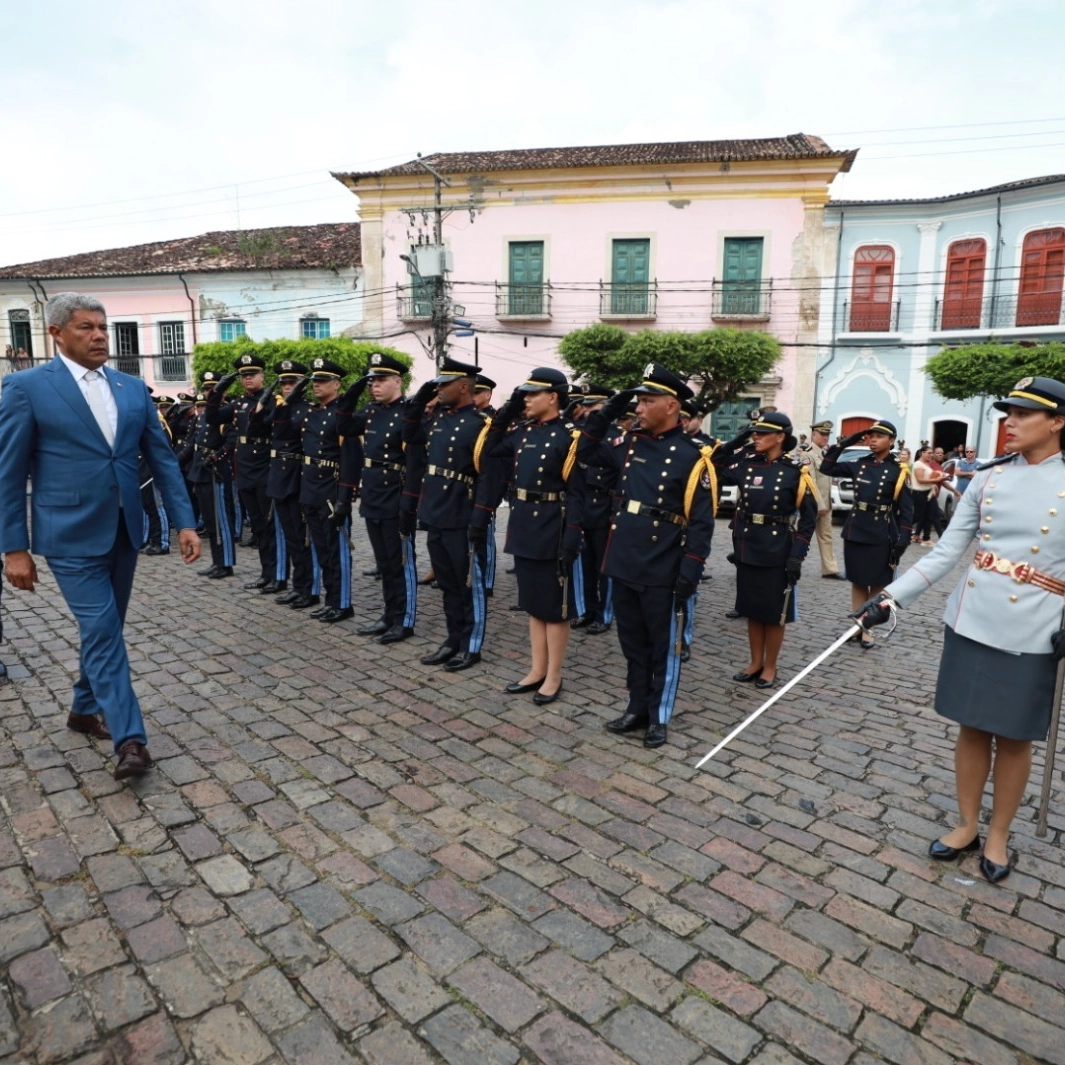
[993,872]
[942,853]
[521,689]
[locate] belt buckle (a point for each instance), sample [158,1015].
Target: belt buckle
[1021,572]
[757,519]
[986,560]
[632,506]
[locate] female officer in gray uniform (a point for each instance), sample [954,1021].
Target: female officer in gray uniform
[1003,620]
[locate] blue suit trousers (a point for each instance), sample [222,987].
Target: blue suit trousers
[97,590]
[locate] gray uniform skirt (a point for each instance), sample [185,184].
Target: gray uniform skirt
[995,691]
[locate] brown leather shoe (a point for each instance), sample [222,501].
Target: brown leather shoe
[89,725]
[133,760]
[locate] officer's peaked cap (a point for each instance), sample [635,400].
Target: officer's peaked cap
[776,421]
[1035,393]
[248,364]
[451,370]
[882,425]
[658,381]
[288,368]
[546,379]
[382,365]
[326,370]
[592,392]
[484,384]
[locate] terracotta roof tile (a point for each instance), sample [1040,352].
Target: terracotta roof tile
[793,146]
[285,247]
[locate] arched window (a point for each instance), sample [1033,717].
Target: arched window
[1042,275]
[963,294]
[871,306]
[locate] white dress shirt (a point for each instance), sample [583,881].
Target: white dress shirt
[110,407]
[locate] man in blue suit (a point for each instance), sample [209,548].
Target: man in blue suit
[78,429]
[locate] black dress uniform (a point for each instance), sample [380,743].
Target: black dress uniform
[250,415]
[598,513]
[329,479]
[283,488]
[211,447]
[880,524]
[454,497]
[546,490]
[658,544]
[486,552]
[775,519]
[385,461]
[156,521]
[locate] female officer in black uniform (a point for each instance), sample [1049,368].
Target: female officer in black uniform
[879,526]
[543,533]
[768,544]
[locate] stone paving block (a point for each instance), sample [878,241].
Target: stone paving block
[393,1045]
[388,904]
[166,871]
[1033,1035]
[113,872]
[183,985]
[438,942]
[196,906]
[312,1042]
[806,1035]
[362,946]
[589,901]
[225,1036]
[119,997]
[158,939]
[465,863]
[270,999]
[225,875]
[52,859]
[38,977]
[582,990]
[451,898]
[740,995]
[66,904]
[285,873]
[666,951]
[518,895]
[580,938]
[152,1041]
[293,949]
[22,933]
[728,1036]
[197,842]
[60,1033]
[462,1040]
[91,835]
[965,1043]
[320,905]
[341,995]
[647,1039]
[946,992]
[229,949]
[556,1040]
[409,990]
[16,893]
[405,866]
[641,978]
[501,996]
[260,910]
[92,946]
[133,906]
[831,935]
[502,934]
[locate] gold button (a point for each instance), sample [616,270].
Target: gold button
[987,536]
[654,539]
[1061,495]
[1013,599]
[987,520]
[971,584]
[989,500]
[1035,550]
[1045,529]
[991,484]
[1053,512]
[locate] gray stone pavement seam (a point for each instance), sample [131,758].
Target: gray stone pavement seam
[332,863]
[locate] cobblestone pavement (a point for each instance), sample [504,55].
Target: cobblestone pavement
[345,856]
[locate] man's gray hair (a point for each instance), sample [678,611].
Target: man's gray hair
[60,308]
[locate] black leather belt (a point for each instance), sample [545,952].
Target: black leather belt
[378,464]
[766,519]
[451,475]
[328,464]
[876,508]
[634,506]
[538,497]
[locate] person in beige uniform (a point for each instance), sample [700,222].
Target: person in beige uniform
[810,455]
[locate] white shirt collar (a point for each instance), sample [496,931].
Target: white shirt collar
[75,368]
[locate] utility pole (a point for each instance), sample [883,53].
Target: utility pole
[432,263]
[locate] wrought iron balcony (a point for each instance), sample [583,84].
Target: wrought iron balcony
[961,314]
[628,299]
[173,367]
[741,299]
[130,364]
[1008,312]
[517,300]
[415,303]
[871,317]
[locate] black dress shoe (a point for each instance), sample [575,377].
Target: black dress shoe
[320,611]
[209,571]
[396,634]
[429,579]
[262,582]
[581,622]
[543,700]
[733,614]
[597,628]
[833,577]
[301,602]
[993,872]
[336,613]
[746,678]
[220,572]
[686,652]
[273,587]
[375,572]
[373,629]
[155,549]
[627,723]
[521,689]
[655,736]
[942,853]
[288,598]
[463,660]
[764,684]
[444,653]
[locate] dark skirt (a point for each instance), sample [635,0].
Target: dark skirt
[995,691]
[867,564]
[539,593]
[760,594]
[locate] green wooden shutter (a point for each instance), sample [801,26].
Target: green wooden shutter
[526,293]
[631,275]
[742,290]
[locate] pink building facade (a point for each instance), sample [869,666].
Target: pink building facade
[541,242]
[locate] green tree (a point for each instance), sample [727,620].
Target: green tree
[992,369]
[353,355]
[717,363]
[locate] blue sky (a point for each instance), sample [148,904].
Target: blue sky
[126,122]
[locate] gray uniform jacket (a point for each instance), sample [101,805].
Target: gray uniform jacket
[1018,512]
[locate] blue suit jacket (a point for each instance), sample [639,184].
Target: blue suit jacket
[48,432]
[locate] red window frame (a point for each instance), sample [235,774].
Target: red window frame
[1042,277]
[872,288]
[963,291]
